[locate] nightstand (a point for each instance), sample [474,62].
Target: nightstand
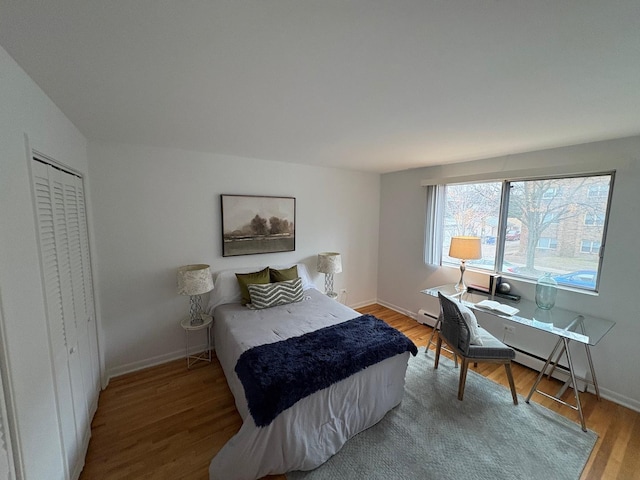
[188,328]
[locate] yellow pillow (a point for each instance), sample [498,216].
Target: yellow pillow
[245,279]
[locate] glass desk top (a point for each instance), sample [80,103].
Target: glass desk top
[557,321]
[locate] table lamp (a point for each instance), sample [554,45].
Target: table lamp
[329,263]
[464,248]
[194,280]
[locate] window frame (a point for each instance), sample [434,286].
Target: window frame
[434,222]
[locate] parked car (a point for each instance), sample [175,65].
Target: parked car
[579,278]
[512,235]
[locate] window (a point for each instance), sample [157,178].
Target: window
[594,219]
[551,193]
[529,227]
[472,209]
[587,246]
[599,191]
[548,243]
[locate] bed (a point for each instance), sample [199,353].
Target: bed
[306,434]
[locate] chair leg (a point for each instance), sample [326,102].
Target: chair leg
[438,347]
[464,366]
[436,327]
[514,394]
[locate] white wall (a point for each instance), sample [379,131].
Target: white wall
[403,273]
[157,209]
[25,357]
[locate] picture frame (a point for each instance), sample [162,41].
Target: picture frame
[253,224]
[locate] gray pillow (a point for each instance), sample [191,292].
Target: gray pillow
[273,294]
[472,324]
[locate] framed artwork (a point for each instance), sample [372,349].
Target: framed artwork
[252,224]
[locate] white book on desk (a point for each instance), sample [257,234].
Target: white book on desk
[497,307]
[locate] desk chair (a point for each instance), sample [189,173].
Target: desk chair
[456,333]
[436,329]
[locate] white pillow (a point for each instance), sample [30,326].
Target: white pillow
[227,290]
[472,324]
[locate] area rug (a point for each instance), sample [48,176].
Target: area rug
[432,435]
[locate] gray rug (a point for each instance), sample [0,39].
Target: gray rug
[432,435]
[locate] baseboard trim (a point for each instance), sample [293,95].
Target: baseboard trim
[616,398]
[398,309]
[153,361]
[363,304]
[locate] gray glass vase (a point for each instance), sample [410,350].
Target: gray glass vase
[546,292]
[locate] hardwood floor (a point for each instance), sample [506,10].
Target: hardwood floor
[167,422]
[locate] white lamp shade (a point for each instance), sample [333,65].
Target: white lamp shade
[194,280]
[329,262]
[465,248]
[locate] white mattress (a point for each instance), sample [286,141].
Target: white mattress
[316,427]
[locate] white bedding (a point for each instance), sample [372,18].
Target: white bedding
[316,427]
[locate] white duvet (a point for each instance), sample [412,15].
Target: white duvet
[316,427]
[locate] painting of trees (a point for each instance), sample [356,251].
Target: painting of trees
[259,225]
[253,224]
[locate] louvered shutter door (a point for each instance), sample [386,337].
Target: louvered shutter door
[63,248]
[70,313]
[88,298]
[55,317]
[79,287]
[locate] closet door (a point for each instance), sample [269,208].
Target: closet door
[81,284]
[52,282]
[89,304]
[60,227]
[73,294]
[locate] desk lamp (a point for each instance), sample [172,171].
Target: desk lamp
[464,248]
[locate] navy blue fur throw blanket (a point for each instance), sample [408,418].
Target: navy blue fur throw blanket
[275,376]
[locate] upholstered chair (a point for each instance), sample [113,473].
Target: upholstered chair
[471,343]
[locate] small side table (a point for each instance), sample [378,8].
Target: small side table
[206,324]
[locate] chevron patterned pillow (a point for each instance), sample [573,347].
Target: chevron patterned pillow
[273,294]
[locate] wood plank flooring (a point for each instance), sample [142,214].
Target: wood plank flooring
[167,422]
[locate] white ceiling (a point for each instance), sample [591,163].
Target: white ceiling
[361,84]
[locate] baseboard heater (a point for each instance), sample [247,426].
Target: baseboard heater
[427,318]
[561,372]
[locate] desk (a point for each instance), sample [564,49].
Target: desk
[566,325]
